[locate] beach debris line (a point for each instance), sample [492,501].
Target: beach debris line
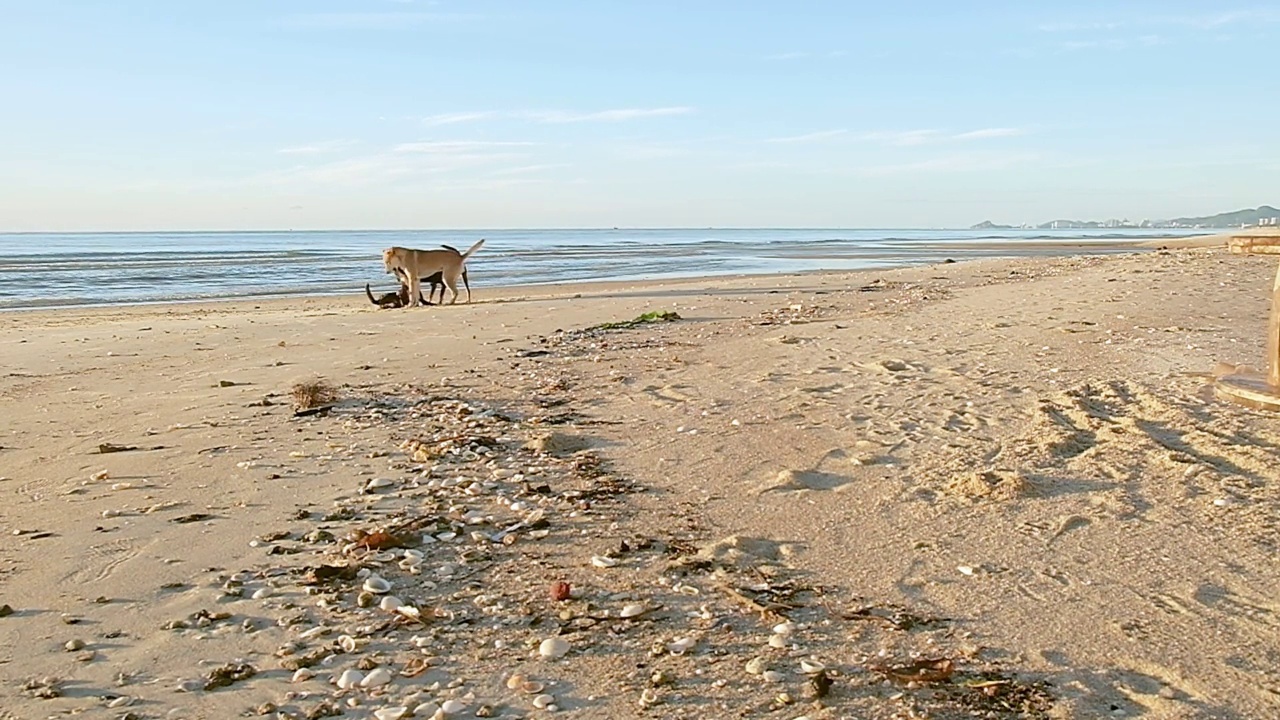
[655,316]
[107,448]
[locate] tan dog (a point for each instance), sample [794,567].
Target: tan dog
[419,264]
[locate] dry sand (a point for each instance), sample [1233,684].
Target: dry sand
[1008,480]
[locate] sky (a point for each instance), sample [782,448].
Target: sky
[343,114]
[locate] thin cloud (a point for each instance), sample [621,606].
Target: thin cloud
[387,168]
[1078,27]
[373,20]
[949,164]
[808,137]
[445,147]
[455,118]
[1217,20]
[619,115]
[1206,21]
[528,169]
[319,148]
[912,138]
[801,55]
[985,133]
[904,137]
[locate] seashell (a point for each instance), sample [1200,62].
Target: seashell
[348,643]
[603,561]
[376,678]
[410,612]
[648,696]
[811,666]
[390,603]
[426,710]
[349,679]
[553,648]
[680,646]
[777,641]
[531,687]
[453,707]
[411,554]
[631,610]
[965,570]
[190,685]
[685,589]
[74,645]
[122,701]
[391,713]
[302,675]
[377,585]
[784,628]
[543,700]
[772,676]
[446,536]
[263,592]
[379,483]
[756,665]
[516,681]
[314,632]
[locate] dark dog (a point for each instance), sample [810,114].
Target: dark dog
[392,299]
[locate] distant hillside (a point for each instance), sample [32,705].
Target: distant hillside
[988,225]
[1264,215]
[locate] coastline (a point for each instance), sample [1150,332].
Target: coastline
[89,271]
[1019,454]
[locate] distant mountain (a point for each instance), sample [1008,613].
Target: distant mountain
[1264,215]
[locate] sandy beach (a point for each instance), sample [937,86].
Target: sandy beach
[999,489]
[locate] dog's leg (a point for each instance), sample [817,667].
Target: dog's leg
[450,281]
[464,282]
[415,289]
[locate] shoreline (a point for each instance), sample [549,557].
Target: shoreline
[1042,249]
[1011,466]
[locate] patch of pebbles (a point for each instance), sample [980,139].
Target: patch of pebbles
[445,592]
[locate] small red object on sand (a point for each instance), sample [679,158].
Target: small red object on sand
[560,591]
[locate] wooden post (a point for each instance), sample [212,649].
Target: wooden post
[1273,336]
[1251,388]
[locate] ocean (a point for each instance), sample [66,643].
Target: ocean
[44,270]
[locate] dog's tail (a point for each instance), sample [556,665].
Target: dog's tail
[472,249]
[369,292]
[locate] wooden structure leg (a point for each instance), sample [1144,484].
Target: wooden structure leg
[1253,389]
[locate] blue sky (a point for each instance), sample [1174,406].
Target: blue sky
[238,114]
